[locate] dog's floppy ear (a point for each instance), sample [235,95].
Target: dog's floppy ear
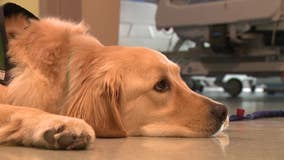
[98,103]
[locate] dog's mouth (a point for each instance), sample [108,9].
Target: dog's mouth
[212,129]
[224,126]
[207,132]
[167,130]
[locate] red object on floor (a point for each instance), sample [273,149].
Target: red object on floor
[282,76]
[240,112]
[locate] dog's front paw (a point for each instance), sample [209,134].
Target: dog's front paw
[70,133]
[63,138]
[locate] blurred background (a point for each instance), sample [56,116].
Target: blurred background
[229,62]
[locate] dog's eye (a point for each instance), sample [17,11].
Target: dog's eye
[162,86]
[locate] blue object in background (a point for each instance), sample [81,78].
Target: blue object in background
[263,114]
[258,114]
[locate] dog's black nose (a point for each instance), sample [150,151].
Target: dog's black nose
[220,112]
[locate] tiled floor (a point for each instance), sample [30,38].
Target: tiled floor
[261,139]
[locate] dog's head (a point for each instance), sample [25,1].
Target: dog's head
[123,91]
[157,102]
[139,92]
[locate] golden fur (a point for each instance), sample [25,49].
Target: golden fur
[62,72]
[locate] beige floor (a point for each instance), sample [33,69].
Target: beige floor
[261,139]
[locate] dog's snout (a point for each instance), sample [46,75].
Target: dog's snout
[220,112]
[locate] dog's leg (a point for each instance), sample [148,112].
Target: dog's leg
[33,127]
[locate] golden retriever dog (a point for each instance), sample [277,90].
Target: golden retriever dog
[67,88]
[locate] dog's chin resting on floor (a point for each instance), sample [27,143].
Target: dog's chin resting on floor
[67,88]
